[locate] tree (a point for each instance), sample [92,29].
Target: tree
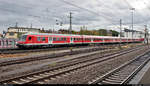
[102,32]
[114,33]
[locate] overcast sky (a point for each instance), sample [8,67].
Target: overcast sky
[94,14]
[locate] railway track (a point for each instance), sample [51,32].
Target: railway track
[124,73]
[44,76]
[49,56]
[17,50]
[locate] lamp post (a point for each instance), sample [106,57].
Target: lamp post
[132,9]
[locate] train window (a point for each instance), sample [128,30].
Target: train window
[54,39]
[43,39]
[71,39]
[30,38]
[23,38]
[50,38]
[11,33]
[64,39]
[57,39]
[39,39]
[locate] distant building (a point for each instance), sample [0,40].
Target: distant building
[63,31]
[46,31]
[1,35]
[16,32]
[136,34]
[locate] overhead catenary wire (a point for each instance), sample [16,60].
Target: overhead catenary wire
[107,17]
[90,11]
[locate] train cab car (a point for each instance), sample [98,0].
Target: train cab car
[26,41]
[22,41]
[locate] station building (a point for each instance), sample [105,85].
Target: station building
[136,34]
[16,32]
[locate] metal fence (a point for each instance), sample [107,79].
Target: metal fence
[8,43]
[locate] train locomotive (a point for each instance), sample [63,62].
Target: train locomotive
[44,39]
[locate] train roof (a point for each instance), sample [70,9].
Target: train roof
[91,36]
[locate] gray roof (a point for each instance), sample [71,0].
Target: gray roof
[75,35]
[23,28]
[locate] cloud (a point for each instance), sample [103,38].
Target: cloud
[94,14]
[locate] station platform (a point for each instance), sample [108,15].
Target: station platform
[146,78]
[143,77]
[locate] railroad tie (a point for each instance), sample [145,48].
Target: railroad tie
[117,74]
[40,82]
[116,78]
[31,78]
[67,73]
[64,75]
[58,77]
[53,78]
[24,80]
[72,72]
[100,83]
[37,76]
[17,82]
[47,73]
[94,80]
[44,75]
[5,83]
[46,80]
[107,82]
[111,80]
[90,82]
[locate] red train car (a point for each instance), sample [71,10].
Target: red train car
[42,39]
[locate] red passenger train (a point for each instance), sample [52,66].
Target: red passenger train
[42,39]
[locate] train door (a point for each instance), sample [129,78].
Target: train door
[0,44]
[71,40]
[92,40]
[50,40]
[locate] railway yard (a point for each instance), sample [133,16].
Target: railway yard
[100,42]
[105,64]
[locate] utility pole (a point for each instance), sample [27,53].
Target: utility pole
[31,25]
[146,34]
[70,29]
[16,24]
[132,9]
[120,32]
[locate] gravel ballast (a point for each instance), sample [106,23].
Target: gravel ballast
[87,74]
